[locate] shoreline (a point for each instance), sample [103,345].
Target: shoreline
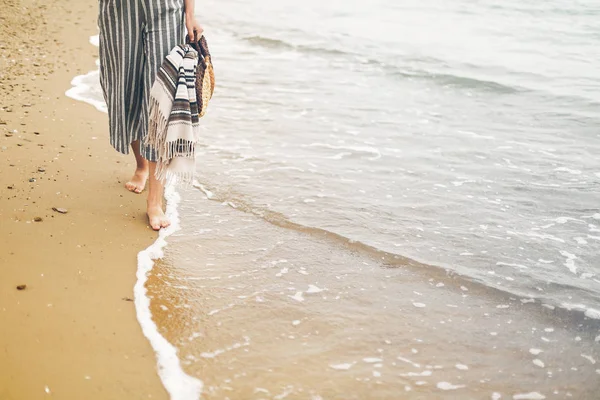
[250,296]
[73,331]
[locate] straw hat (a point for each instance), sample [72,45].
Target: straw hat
[205,75]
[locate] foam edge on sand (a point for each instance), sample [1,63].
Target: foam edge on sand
[180,385]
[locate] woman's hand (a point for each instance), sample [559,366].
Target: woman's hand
[194,29]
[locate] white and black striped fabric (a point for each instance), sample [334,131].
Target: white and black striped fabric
[135,37]
[174,121]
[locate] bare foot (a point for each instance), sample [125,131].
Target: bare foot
[157,217]
[138,181]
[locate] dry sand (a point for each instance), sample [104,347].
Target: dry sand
[72,333]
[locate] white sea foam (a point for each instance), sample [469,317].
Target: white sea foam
[406,360]
[539,363]
[413,374]
[521,266]
[180,385]
[569,170]
[209,195]
[448,386]
[314,289]
[529,396]
[235,346]
[588,311]
[341,367]
[589,358]
[298,297]
[570,261]
[475,135]
[376,154]
[86,87]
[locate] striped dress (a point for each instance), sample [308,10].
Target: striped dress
[135,37]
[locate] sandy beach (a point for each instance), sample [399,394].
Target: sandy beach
[391,200]
[72,332]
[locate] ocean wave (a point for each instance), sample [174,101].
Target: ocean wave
[268,42]
[581,315]
[281,44]
[465,82]
[349,150]
[392,69]
[462,76]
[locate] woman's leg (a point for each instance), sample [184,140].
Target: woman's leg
[140,176]
[122,72]
[165,30]
[155,212]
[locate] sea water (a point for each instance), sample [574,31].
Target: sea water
[393,200]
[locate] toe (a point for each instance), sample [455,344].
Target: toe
[132,187]
[157,218]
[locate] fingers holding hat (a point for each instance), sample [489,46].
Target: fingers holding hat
[194,29]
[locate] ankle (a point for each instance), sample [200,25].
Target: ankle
[142,168]
[154,202]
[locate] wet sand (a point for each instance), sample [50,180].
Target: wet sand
[261,308]
[72,332]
